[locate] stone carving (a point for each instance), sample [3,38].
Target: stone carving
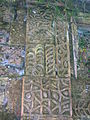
[62,61]
[47,86]
[37,31]
[62,48]
[50,60]
[46,96]
[81,108]
[35,60]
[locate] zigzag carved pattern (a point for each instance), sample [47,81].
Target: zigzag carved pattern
[50,60]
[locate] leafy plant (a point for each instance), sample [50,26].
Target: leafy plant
[7,115]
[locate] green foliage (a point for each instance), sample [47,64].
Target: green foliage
[70,8]
[41,0]
[82,43]
[59,12]
[7,115]
[3,1]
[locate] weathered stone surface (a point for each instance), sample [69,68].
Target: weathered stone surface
[80,95]
[18,28]
[10,94]
[12,60]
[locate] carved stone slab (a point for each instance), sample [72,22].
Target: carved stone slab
[45,96]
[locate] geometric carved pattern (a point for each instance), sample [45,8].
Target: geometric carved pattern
[41,58]
[46,96]
[37,28]
[62,61]
[40,20]
[81,108]
[62,47]
[47,84]
[50,60]
[35,60]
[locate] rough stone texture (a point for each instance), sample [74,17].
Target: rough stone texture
[11,60]
[10,94]
[80,96]
[18,28]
